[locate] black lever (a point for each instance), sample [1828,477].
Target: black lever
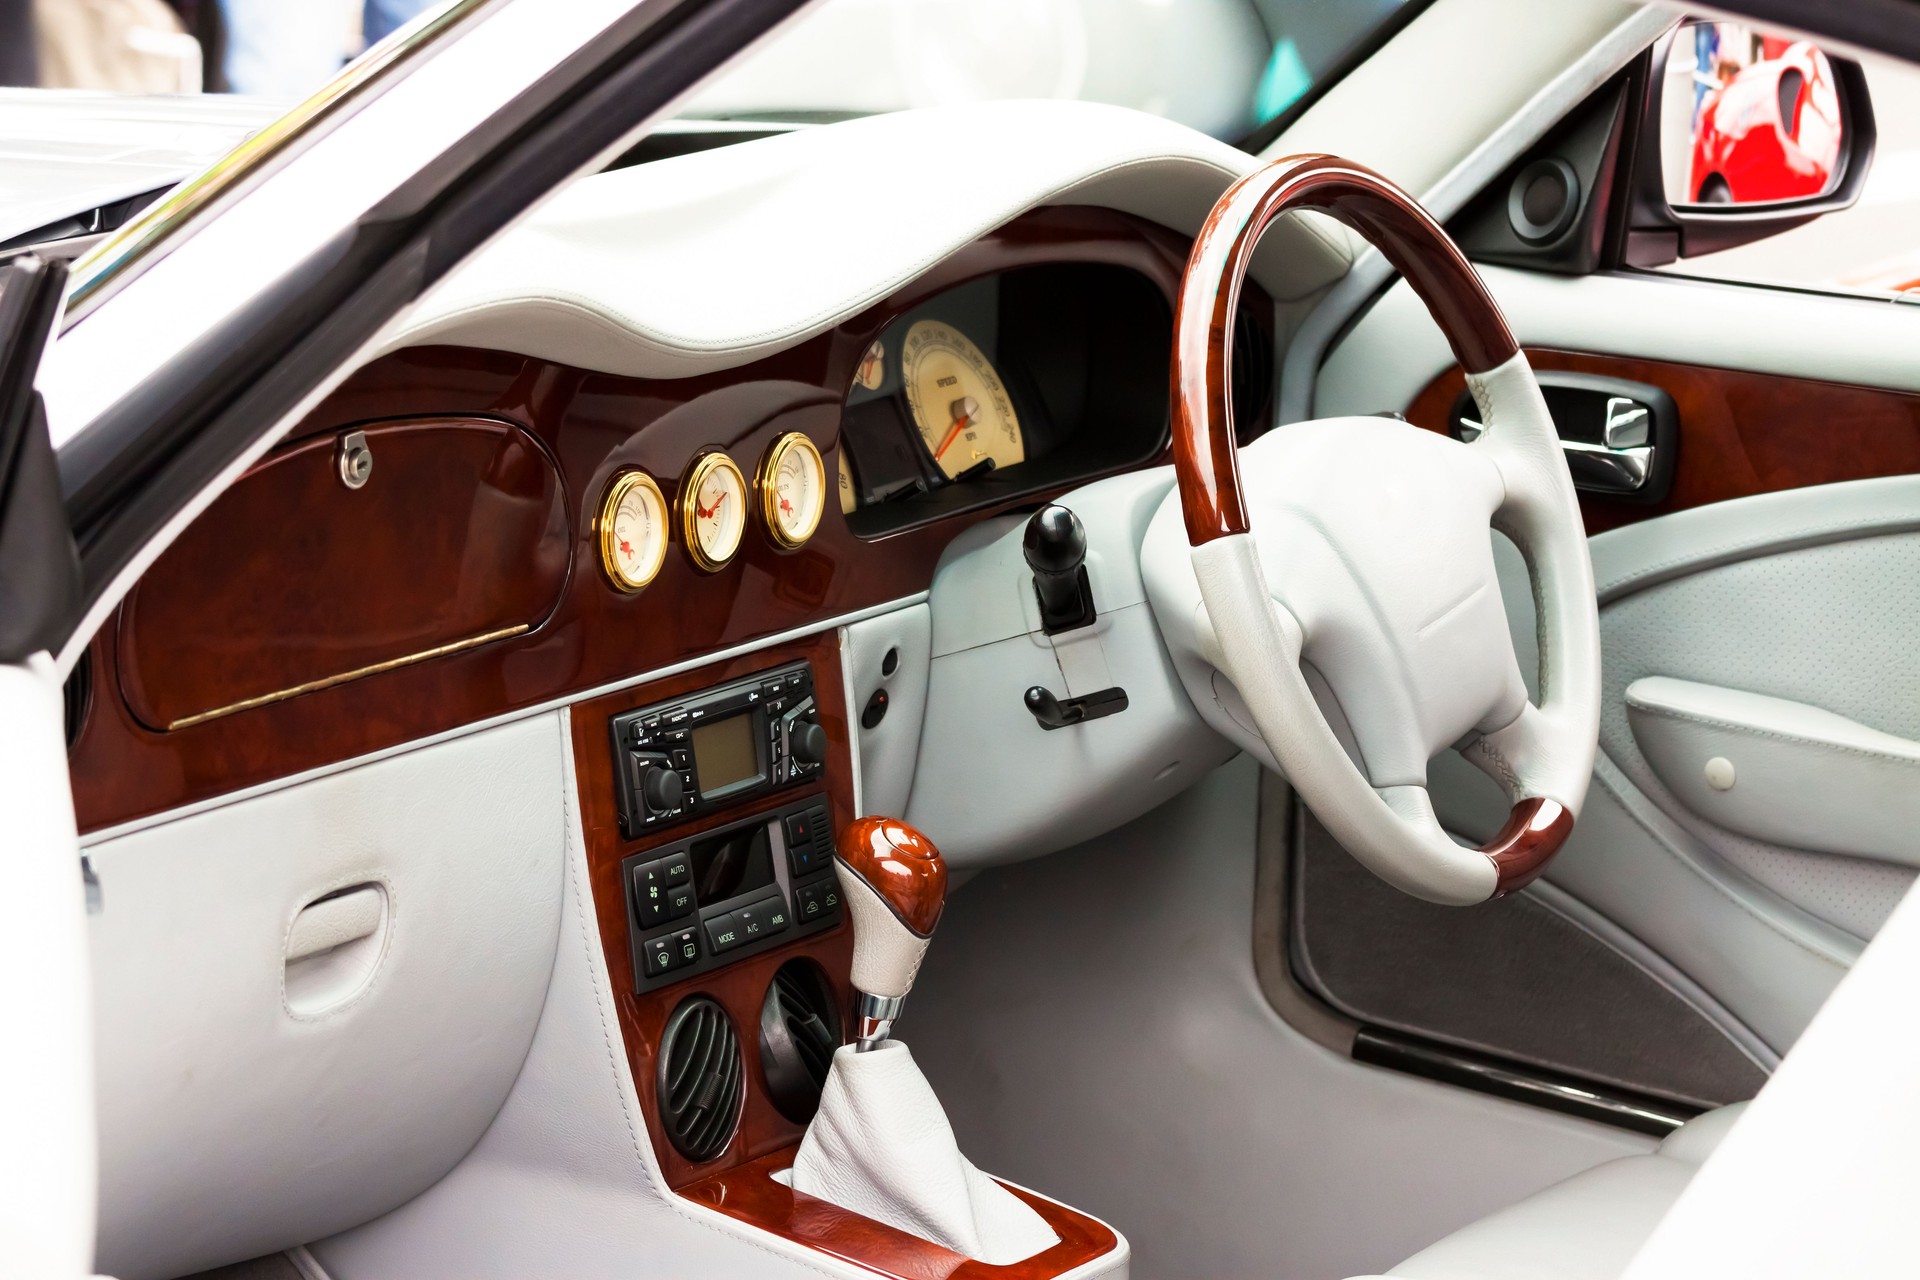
[1055,714]
[1056,549]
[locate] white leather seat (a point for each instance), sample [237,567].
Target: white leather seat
[1586,1228]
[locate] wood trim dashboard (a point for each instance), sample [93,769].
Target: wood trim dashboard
[1740,433]
[590,426]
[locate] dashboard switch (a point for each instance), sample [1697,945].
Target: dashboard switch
[661,956]
[723,933]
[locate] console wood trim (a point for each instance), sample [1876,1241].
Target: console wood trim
[1740,433]
[749,1194]
[741,985]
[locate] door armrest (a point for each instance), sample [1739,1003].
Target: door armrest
[1781,771]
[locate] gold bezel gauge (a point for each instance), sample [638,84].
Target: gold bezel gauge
[633,531]
[713,510]
[792,484]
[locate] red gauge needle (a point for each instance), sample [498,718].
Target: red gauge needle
[707,513]
[626,548]
[962,410]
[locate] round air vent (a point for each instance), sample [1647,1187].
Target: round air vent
[699,1086]
[799,1030]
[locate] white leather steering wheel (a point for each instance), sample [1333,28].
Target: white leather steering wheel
[1347,574]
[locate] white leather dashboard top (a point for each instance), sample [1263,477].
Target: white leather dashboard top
[712,260]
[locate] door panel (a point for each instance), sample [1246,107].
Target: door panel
[1774,567]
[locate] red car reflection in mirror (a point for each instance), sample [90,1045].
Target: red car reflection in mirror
[1771,131]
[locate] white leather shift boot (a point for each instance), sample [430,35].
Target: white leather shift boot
[881,1146]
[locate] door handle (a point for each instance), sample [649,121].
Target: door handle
[1618,437]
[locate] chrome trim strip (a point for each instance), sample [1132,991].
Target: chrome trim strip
[105,834]
[1622,1108]
[358,673]
[109,266]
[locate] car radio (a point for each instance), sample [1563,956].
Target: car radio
[728,743]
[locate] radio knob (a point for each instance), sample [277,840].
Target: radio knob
[662,789]
[809,742]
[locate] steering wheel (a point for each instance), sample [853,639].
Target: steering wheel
[1346,580]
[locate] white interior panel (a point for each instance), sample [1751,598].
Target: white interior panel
[992,785]
[885,755]
[1093,1023]
[237,1118]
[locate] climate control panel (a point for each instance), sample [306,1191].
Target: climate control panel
[692,904]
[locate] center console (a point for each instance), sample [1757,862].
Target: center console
[709,804]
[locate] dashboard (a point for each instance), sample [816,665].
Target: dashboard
[573,528]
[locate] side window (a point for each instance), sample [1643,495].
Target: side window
[1752,119]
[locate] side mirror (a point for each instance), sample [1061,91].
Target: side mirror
[1743,135]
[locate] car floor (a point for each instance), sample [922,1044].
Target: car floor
[1094,1025]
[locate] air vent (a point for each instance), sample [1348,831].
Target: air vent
[699,1086]
[799,1030]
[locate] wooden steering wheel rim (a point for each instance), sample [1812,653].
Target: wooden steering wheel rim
[1203,431]
[1205,458]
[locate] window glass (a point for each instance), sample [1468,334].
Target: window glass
[1872,247]
[1225,67]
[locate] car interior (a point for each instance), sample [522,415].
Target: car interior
[1014,689]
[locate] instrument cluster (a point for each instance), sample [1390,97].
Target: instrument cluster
[1012,383]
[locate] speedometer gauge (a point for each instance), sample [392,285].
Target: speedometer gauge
[958,400]
[793,489]
[633,530]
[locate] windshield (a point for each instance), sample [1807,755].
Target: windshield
[1225,67]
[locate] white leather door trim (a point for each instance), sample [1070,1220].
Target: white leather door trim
[1781,771]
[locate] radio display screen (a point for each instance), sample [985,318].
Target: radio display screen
[729,865]
[724,755]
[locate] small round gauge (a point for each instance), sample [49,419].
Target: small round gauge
[849,494]
[713,510]
[793,489]
[633,530]
[873,367]
[958,400]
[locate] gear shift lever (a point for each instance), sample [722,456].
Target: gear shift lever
[895,884]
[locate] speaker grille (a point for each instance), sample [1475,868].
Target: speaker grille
[799,1030]
[699,1079]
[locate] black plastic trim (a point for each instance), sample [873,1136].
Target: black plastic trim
[1569,1095]
[39,570]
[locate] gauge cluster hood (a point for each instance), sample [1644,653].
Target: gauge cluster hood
[717,259]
